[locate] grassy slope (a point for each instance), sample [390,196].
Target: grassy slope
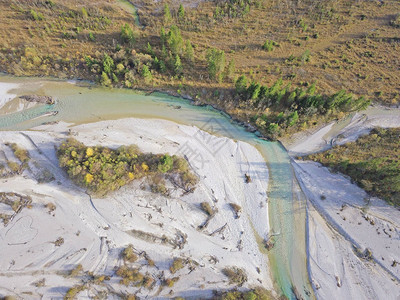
[356,48]
[372,161]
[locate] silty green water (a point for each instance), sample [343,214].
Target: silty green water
[84,104]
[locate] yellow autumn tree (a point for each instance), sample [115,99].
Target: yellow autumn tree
[88,178]
[145,167]
[89,152]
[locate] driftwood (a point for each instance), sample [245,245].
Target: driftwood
[219,230]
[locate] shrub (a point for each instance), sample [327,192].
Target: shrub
[236,208]
[76,271]
[72,292]
[165,163]
[129,255]
[50,207]
[20,153]
[177,264]
[37,16]
[132,276]
[235,275]
[127,34]
[15,167]
[205,206]
[146,74]
[59,242]
[269,45]
[169,282]
[105,80]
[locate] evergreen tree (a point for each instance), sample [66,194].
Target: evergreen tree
[241,85]
[105,80]
[177,65]
[146,74]
[108,64]
[150,49]
[167,14]
[216,63]
[181,13]
[174,39]
[163,35]
[230,70]
[127,34]
[189,53]
[293,118]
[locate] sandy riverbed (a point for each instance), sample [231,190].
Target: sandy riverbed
[95,232]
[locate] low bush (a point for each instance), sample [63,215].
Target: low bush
[177,264]
[76,271]
[129,255]
[206,207]
[20,153]
[235,275]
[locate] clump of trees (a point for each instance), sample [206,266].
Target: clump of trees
[233,9]
[132,276]
[101,169]
[288,106]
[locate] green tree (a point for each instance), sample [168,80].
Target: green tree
[216,63]
[241,85]
[146,74]
[181,13]
[167,14]
[105,80]
[177,65]
[269,45]
[150,49]
[293,118]
[84,13]
[163,35]
[254,90]
[108,64]
[165,164]
[127,34]
[174,40]
[230,70]
[189,53]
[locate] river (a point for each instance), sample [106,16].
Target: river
[82,102]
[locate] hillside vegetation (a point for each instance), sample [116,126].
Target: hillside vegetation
[373,162]
[305,51]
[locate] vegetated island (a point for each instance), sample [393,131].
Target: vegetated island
[102,169]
